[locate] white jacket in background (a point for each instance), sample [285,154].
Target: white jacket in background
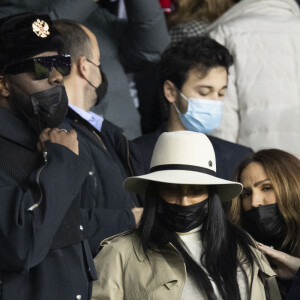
[262,106]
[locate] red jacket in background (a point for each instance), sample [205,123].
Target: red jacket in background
[166,5]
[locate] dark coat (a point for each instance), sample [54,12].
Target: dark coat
[40,259]
[228,155]
[107,207]
[294,292]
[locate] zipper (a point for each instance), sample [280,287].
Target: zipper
[100,140]
[34,206]
[128,155]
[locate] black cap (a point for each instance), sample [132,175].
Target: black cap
[25,35]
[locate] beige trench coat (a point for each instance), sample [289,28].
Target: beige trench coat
[125,273]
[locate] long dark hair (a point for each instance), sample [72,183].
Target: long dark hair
[222,242]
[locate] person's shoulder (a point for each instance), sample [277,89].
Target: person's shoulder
[115,251]
[114,135]
[263,263]
[149,139]
[119,240]
[226,145]
[193,27]
[110,127]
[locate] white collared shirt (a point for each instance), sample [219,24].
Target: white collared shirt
[95,120]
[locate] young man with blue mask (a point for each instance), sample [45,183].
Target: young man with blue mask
[201,109]
[193,83]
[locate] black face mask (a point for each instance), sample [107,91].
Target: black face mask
[44,109]
[266,225]
[101,90]
[183,218]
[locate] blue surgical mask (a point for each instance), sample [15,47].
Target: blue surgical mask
[203,115]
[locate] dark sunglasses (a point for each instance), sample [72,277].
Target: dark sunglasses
[42,66]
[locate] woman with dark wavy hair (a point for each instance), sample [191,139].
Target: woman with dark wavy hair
[269,205]
[184,248]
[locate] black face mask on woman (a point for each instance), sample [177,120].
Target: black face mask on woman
[44,109]
[183,218]
[266,225]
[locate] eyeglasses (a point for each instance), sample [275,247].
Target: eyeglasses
[42,66]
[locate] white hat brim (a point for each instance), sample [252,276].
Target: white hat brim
[226,189]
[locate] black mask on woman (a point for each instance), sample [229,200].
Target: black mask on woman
[183,218]
[44,109]
[266,224]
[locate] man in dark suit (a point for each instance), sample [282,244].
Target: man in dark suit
[193,83]
[107,208]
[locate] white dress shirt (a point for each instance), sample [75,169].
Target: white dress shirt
[95,120]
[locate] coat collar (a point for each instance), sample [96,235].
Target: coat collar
[74,116]
[264,266]
[136,244]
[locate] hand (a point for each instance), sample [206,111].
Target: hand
[59,136]
[137,213]
[286,265]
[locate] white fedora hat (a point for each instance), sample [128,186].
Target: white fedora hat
[184,157]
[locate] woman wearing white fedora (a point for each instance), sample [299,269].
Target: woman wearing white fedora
[183,248]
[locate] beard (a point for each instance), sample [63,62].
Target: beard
[20,103]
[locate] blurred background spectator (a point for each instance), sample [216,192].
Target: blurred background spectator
[191,17]
[262,108]
[185,18]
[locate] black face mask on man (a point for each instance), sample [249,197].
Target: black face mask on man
[266,224]
[101,90]
[180,218]
[44,109]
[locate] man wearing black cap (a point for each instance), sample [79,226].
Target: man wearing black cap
[43,251]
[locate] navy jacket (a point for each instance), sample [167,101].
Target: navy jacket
[294,292]
[106,206]
[32,265]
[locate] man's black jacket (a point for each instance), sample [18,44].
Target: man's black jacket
[43,253]
[107,207]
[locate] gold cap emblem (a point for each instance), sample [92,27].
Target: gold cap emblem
[40,28]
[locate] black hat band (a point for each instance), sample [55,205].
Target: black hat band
[182,167]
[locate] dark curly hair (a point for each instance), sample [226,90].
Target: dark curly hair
[202,52]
